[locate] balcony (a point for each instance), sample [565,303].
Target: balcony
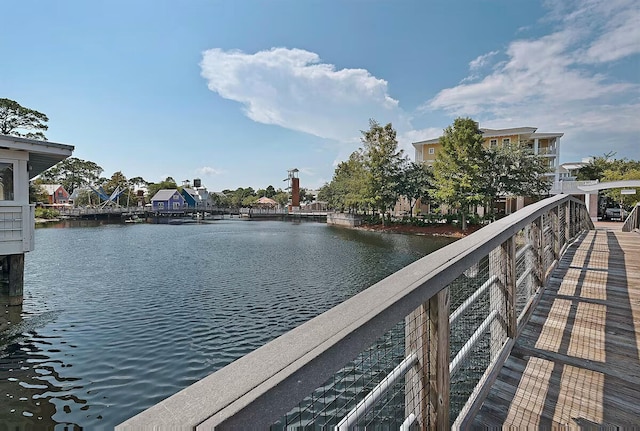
[548,151]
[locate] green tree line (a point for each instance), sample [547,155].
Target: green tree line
[607,168]
[465,175]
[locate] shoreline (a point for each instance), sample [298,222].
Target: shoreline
[446,230]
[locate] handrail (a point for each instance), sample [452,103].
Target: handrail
[633,220]
[260,387]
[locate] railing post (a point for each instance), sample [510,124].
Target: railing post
[555,220]
[417,378]
[439,379]
[572,218]
[583,218]
[502,263]
[534,238]
[567,222]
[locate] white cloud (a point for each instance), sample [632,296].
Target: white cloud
[292,88]
[556,82]
[481,60]
[622,40]
[208,171]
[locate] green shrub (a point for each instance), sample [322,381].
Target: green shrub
[46,213]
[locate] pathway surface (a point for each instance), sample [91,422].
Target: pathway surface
[576,364]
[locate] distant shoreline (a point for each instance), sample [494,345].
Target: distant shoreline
[46,220]
[446,230]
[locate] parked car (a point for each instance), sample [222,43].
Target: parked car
[615,214]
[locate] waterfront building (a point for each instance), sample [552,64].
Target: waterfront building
[546,145]
[57,194]
[167,200]
[21,160]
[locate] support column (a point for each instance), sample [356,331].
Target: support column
[13,277]
[591,202]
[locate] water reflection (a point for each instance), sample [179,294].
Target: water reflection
[117,318]
[28,378]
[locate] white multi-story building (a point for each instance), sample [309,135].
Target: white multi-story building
[546,145]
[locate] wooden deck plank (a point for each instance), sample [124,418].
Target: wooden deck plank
[577,361]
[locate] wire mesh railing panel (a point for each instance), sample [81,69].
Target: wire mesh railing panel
[329,404]
[473,328]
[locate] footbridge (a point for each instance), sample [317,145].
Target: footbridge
[591,189]
[532,320]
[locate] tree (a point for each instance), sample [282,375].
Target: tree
[219,200]
[85,198]
[281,197]
[306,196]
[37,193]
[240,197]
[415,182]
[72,173]
[513,170]
[138,181]
[118,181]
[349,187]
[459,167]
[168,183]
[606,168]
[270,191]
[594,170]
[14,118]
[627,201]
[383,161]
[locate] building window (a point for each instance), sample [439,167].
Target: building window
[493,142]
[161,205]
[176,205]
[6,181]
[506,141]
[176,197]
[432,150]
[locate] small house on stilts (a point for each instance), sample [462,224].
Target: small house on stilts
[21,159]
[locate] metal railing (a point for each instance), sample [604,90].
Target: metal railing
[633,220]
[84,211]
[427,341]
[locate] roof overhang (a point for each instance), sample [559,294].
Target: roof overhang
[428,141]
[42,154]
[611,185]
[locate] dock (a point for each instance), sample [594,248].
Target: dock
[576,363]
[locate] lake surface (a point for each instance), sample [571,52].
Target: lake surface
[118,317]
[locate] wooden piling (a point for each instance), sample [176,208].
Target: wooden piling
[13,277]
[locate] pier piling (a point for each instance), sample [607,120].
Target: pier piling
[13,278]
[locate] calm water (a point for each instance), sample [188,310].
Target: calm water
[118,317]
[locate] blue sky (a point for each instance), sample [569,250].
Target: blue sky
[238,92]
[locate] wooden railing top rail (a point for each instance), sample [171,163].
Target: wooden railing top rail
[260,387]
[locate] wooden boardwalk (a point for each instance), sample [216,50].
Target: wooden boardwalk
[576,364]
